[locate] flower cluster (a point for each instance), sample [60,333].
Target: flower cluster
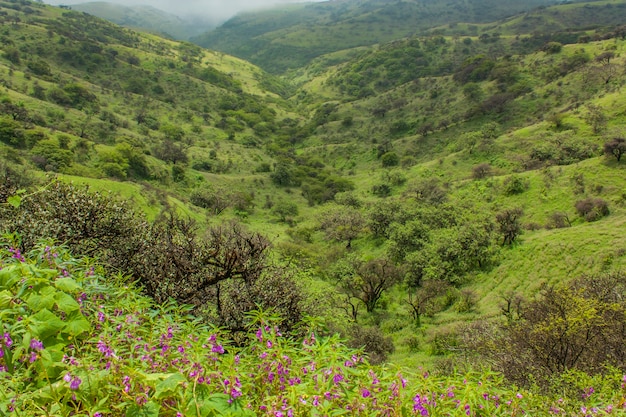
[108,351]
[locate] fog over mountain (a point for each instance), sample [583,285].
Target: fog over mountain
[214,10]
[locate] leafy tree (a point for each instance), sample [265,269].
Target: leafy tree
[215,200]
[428,191]
[390,159]
[48,155]
[422,299]
[170,151]
[17,111]
[615,147]
[405,238]
[366,281]
[453,252]
[343,224]
[552,47]
[596,118]
[285,210]
[382,214]
[11,132]
[481,171]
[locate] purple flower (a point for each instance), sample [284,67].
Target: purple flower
[74,381]
[36,344]
[217,349]
[365,393]
[8,342]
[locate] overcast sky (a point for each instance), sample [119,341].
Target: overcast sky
[214,9]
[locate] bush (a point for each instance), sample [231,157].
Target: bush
[373,341]
[578,326]
[592,209]
[515,185]
[390,159]
[88,223]
[481,171]
[558,220]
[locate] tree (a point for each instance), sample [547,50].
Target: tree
[173,261]
[420,299]
[368,280]
[615,147]
[343,224]
[509,225]
[285,210]
[596,118]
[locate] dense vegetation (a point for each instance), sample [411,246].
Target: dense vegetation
[439,201]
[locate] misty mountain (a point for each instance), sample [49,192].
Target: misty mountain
[146,18]
[291,36]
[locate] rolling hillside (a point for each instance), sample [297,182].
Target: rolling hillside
[411,185]
[290,37]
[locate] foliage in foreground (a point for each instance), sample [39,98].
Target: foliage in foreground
[72,342]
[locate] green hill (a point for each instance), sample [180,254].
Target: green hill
[290,37]
[410,187]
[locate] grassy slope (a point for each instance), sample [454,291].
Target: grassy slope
[541,256]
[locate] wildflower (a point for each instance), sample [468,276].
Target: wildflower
[36,344]
[8,342]
[337,379]
[74,381]
[518,395]
[217,349]
[365,393]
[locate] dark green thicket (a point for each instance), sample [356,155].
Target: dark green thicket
[580,326]
[225,270]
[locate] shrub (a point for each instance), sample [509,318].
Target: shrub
[578,326]
[558,220]
[515,185]
[481,171]
[390,159]
[373,341]
[88,223]
[509,224]
[592,209]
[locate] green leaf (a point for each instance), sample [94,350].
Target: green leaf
[150,409]
[66,302]
[68,285]
[168,387]
[45,324]
[15,201]
[43,300]
[5,299]
[9,276]
[76,324]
